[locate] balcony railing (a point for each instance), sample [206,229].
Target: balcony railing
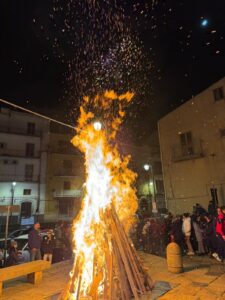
[186,152]
[18,153]
[22,131]
[67,173]
[18,178]
[67,193]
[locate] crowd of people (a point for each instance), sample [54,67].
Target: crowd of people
[53,245]
[199,233]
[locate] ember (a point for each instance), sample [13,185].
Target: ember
[106,265]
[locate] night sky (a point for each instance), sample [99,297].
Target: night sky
[54,52]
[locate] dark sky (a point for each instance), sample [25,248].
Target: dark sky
[53,52]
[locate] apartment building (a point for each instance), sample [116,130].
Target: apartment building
[65,176]
[192,142]
[23,161]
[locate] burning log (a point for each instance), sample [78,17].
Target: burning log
[125,279]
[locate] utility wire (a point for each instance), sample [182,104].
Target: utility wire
[36,114]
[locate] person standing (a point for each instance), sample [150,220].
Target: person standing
[47,246]
[199,235]
[220,232]
[59,242]
[186,228]
[176,232]
[34,242]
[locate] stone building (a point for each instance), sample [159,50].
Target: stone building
[65,176]
[23,154]
[192,142]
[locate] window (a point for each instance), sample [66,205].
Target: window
[30,128]
[66,185]
[27,191]
[2,145]
[218,93]
[186,143]
[66,207]
[159,186]
[30,149]
[67,164]
[25,212]
[29,170]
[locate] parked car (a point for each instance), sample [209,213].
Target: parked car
[19,232]
[22,242]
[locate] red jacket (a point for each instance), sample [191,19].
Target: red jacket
[220,224]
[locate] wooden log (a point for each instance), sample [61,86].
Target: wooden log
[125,260]
[139,278]
[124,283]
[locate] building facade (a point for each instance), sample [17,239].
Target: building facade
[146,162]
[192,142]
[65,176]
[23,159]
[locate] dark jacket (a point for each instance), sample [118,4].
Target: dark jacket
[13,257]
[48,245]
[60,238]
[176,231]
[34,239]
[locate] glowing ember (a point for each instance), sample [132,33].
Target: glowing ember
[109,199]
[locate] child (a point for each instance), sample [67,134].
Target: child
[47,246]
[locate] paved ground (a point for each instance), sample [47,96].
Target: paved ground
[202,279]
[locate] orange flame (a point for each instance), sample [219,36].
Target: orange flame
[108,182]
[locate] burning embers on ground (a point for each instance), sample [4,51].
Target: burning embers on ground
[106,265]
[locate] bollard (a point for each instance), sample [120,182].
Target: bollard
[174,258]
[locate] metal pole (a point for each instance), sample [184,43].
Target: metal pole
[12,190]
[6,233]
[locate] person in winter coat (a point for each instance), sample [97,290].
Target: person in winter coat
[212,208]
[34,242]
[59,242]
[14,256]
[186,228]
[145,236]
[47,246]
[211,239]
[198,235]
[220,231]
[176,231]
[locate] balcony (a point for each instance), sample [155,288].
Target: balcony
[18,178]
[67,173]
[69,151]
[187,152]
[18,153]
[20,131]
[67,194]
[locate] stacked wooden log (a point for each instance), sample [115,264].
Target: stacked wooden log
[124,277]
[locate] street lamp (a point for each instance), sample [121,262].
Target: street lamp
[148,168]
[13,191]
[97,125]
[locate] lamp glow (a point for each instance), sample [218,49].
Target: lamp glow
[97,125]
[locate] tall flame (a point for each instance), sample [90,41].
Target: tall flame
[109,182]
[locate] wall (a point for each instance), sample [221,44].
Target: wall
[188,180]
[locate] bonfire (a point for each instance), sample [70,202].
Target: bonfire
[106,265]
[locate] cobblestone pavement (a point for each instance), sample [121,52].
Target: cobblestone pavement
[203,279]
